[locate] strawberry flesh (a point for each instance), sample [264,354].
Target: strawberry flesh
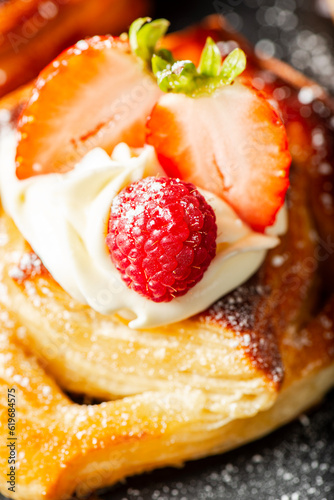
[95,94]
[231,143]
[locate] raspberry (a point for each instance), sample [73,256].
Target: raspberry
[161,237]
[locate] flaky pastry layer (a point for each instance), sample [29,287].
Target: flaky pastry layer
[253,361]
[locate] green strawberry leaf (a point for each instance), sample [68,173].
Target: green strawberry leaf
[233,66]
[144,35]
[211,74]
[159,64]
[165,54]
[183,76]
[210,63]
[180,77]
[133,31]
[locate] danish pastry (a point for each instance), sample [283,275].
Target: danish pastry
[248,363]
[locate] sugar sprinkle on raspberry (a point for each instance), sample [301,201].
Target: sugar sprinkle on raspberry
[161,237]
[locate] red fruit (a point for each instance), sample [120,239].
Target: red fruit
[93,94]
[161,237]
[232,143]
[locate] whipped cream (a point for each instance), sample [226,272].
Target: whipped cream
[64,217]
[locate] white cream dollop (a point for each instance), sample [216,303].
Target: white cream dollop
[64,217]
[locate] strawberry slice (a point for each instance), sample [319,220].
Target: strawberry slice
[94,94]
[232,143]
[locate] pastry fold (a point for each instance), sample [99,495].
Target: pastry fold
[250,363]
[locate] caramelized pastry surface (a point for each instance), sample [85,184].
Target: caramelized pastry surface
[251,362]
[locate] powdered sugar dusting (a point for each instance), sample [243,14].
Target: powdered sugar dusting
[240,312]
[295,463]
[236,309]
[28,267]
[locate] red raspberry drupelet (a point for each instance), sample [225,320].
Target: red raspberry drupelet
[161,237]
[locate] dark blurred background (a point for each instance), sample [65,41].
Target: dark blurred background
[298,31]
[297,461]
[33,32]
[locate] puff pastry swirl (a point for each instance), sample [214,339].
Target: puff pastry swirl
[253,361]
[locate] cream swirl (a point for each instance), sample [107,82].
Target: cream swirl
[64,217]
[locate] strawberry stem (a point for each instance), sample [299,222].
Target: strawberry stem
[178,77]
[211,74]
[183,76]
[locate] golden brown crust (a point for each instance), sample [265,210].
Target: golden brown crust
[251,362]
[310,200]
[85,447]
[269,290]
[276,298]
[290,293]
[256,314]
